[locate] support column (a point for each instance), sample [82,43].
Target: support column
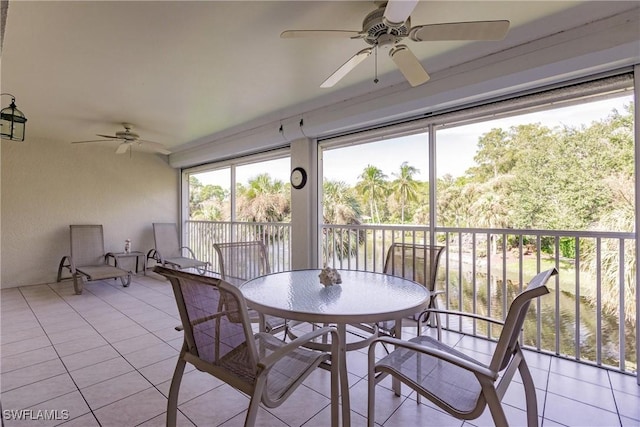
[304,206]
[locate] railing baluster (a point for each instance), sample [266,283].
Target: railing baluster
[488,282]
[460,277]
[621,312]
[577,293]
[598,302]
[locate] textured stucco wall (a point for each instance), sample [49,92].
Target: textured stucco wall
[48,185]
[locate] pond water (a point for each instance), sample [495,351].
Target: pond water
[543,323]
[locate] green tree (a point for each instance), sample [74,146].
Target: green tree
[207,202]
[404,187]
[340,204]
[622,218]
[420,206]
[373,188]
[495,155]
[264,199]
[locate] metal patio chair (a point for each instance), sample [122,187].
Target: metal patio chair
[218,340]
[455,382]
[418,263]
[168,252]
[242,261]
[88,259]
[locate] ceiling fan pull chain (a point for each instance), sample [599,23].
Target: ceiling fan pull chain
[375,80]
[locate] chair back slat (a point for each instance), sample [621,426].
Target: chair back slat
[242,261]
[515,319]
[165,236]
[414,262]
[87,245]
[215,321]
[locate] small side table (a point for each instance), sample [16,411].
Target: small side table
[139,255]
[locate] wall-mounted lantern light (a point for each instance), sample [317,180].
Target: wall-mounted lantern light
[12,121]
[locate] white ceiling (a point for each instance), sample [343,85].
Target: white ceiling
[184,72]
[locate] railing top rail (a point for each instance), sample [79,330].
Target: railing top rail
[527,232]
[201,221]
[404,227]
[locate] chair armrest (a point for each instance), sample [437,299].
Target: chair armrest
[157,256]
[189,250]
[476,368]
[152,254]
[270,360]
[110,255]
[464,314]
[70,266]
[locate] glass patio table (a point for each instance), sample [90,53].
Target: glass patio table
[362,297]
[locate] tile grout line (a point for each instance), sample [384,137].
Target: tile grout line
[56,351]
[122,355]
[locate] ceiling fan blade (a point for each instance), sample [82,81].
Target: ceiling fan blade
[398,11]
[346,67]
[409,65]
[291,34]
[477,30]
[122,148]
[156,146]
[108,136]
[93,140]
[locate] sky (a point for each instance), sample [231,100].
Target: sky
[456,147]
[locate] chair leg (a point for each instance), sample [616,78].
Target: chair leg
[128,282]
[60,267]
[434,304]
[78,283]
[172,401]
[254,403]
[371,396]
[530,394]
[497,412]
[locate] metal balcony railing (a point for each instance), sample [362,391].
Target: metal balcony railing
[588,317]
[201,235]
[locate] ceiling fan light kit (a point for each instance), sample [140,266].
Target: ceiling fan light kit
[388,25]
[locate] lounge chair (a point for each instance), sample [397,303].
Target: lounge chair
[88,259]
[168,251]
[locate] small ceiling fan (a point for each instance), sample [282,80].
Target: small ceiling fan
[128,138]
[389,24]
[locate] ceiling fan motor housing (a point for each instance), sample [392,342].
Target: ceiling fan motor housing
[379,33]
[127,134]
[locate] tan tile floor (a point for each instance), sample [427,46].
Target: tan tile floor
[105,358]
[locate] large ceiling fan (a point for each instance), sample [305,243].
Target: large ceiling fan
[389,24]
[128,138]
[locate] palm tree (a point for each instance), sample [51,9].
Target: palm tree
[372,187]
[620,219]
[339,204]
[264,199]
[405,188]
